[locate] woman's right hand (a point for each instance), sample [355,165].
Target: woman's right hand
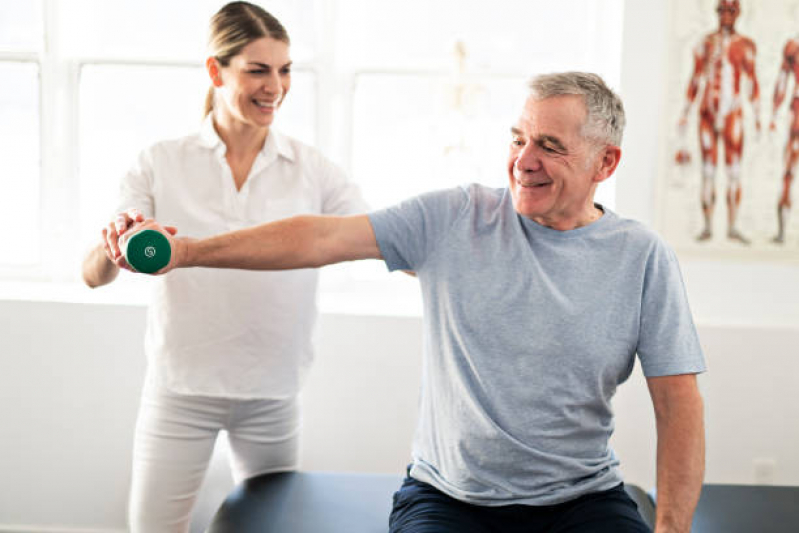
[114,230]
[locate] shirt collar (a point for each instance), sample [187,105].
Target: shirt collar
[275,141]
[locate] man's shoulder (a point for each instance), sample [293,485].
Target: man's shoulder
[483,193]
[475,195]
[634,232]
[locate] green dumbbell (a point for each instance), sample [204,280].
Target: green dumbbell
[147,251]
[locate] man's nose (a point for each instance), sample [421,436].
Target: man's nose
[529,159]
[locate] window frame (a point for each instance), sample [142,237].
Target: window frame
[59,143]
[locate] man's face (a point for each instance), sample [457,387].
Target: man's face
[728,13]
[553,170]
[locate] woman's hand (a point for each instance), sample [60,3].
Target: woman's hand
[114,230]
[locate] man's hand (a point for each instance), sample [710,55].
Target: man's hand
[178,246]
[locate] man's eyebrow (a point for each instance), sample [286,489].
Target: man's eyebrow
[543,139]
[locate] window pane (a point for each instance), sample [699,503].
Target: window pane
[19,151]
[124,109]
[21,27]
[520,36]
[176,29]
[413,134]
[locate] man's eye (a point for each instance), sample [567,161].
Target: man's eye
[517,142]
[548,148]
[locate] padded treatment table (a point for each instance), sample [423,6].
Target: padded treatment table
[316,502]
[747,509]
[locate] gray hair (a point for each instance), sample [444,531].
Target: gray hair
[604,121]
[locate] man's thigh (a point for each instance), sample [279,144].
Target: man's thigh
[611,511]
[420,508]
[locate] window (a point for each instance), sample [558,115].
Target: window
[407,96]
[21,38]
[19,151]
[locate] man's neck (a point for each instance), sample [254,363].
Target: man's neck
[569,223]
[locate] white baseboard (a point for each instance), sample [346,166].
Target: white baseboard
[53,529]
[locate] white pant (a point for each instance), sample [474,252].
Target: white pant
[175,436]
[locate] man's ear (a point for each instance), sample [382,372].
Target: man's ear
[609,160]
[212,66]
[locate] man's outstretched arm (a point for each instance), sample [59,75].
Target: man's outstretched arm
[306,241]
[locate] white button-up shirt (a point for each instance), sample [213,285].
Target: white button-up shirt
[222,332]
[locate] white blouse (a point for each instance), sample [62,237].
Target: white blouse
[221,332]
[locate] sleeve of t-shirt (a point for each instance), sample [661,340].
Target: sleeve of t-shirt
[136,186]
[668,342]
[408,233]
[341,196]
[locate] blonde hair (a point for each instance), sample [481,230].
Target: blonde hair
[235,26]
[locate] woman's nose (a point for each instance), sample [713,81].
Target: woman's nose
[272,84]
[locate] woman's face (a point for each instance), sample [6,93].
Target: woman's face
[255,83]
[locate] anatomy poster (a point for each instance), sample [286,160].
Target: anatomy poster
[727,186]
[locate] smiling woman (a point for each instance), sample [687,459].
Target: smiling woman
[251,68]
[221,354]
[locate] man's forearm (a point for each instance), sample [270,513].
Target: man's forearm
[680,465]
[299,242]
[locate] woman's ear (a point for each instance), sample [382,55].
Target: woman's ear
[212,66]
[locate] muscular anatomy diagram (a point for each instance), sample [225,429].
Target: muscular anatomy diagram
[790,66]
[723,62]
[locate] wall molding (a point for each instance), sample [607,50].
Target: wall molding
[53,529]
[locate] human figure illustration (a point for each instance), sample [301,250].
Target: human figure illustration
[722,61]
[790,65]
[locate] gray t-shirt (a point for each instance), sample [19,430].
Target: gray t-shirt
[528,332]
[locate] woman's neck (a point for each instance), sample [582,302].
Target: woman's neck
[240,139]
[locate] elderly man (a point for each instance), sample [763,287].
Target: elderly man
[536,300]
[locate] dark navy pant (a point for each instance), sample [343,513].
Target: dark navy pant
[421,508]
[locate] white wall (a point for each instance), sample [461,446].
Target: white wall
[70,373]
[748,313]
[724,293]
